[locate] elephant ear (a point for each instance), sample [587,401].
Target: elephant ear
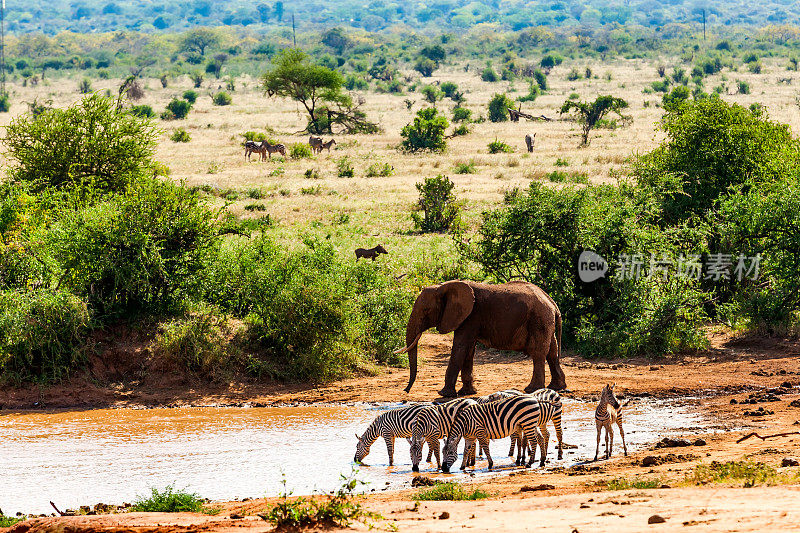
[458,300]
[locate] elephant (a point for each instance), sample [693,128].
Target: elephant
[515,316]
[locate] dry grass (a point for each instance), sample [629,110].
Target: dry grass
[379,206]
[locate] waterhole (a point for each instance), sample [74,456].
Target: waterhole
[112,456]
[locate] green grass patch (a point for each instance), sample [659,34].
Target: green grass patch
[498,147]
[8,521]
[450,492]
[559,176]
[750,473]
[169,500]
[626,484]
[465,167]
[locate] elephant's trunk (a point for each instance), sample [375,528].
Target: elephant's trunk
[413,333]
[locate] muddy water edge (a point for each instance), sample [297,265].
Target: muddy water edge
[112,456]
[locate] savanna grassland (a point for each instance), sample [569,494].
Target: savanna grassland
[364,211]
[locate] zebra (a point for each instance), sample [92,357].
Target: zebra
[315,143]
[272,148]
[496,420]
[493,397]
[552,410]
[389,425]
[608,413]
[249,148]
[327,145]
[433,423]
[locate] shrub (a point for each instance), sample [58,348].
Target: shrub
[143,111]
[432,94]
[551,60]
[465,167]
[299,151]
[461,114]
[449,88]
[85,86]
[42,334]
[180,136]
[426,132]
[541,79]
[499,106]
[462,129]
[438,204]
[255,136]
[742,87]
[660,86]
[449,491]
[190,96]
[222,98]
[344,168]
[168,500]
[143,251]
[497,147]
[574,75]
[425,66]
[5,103]
[89,143]
[177,109]
[673,100]
[489,75]
[379,170]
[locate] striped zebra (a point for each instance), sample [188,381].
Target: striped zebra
[552,408]
[389,425]
[433,423]
[493,397]
[496,420]
[608,413]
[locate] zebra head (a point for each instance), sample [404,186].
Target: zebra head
[416,453]
[450,453]
[608,396]
[362,448]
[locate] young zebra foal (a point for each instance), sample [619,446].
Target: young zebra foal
[433,423]
[389,425]
[608,413]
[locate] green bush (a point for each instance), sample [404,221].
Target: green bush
[489,75]
[425,66]
[672,100]
[438,204]
[180,135]
[461,114]
[379,170]
[42,334]
[255,136]
[190,96]
[90,143]
[144,111]
[299,151]
[222,98]
[5,103]
[498,147]
[499,106]
[85,86]
[465,167]
[143,251]
[426,132]
[344,168]
[551,60]
[177,109]
[540,78]
[449,88]
[168,500]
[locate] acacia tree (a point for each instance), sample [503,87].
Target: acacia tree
[199,40]
[590,113]
[318,88]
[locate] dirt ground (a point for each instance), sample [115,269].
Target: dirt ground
[571,500]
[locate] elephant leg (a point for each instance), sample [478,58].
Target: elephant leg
[467,379]
[463,341]
[557,379]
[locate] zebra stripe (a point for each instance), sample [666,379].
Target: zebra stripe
[389,425]
[608,413]
[433,423]
[552,409]
[494,420]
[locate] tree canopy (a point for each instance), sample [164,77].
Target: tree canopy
[590,113]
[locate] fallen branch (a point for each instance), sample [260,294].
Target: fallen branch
[765,437]
[56,508]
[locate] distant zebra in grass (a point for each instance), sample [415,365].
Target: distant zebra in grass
[389,425]
[496,420]
[315,143]
[327,145]
[250,147]
[272,148]
[608,413]
[433,423]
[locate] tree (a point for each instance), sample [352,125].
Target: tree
[279,11]
[426,132]
[90,142]
[294,76]
[590,113]
[438,204]
[199,40]
[425,66]
[337,39]
[499,106]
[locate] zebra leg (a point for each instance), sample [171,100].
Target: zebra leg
[599,430]
[430,449]
[514,439]
[543,444]
[485,444]
[610,431]
[469,449]
[434,445]
[522,447]
[622,434]
[390,447]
